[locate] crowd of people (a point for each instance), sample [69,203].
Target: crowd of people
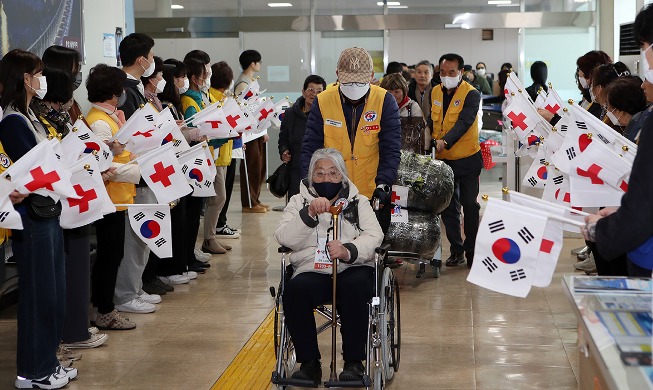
[332,137]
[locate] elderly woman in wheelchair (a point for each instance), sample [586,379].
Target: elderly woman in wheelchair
[304,228]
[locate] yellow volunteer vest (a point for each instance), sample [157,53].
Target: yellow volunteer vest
[120,193]
[468,144]
[361,159]
[224,153]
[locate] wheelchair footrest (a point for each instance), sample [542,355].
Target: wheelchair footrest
[291,382]
[366,382]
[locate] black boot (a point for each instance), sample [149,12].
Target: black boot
[352,371]
[455,260]
[310,371]
[470,258]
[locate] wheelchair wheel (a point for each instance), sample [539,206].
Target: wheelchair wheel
[389,326]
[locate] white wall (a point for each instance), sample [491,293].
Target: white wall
[219,49]
[412,46]
[99,17]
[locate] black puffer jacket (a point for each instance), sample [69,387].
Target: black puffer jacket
[293,127]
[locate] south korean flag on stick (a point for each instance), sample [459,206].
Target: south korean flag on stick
[151,223]
[93,145]
[507,248]
[9,217]
[198,169]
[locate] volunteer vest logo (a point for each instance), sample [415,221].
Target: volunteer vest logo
[370,116]
[5,162]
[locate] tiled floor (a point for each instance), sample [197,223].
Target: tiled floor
[454,334]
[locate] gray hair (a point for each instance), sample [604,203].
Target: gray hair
[427,63]
[335,156]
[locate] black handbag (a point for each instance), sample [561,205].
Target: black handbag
[42,207]
[279,181]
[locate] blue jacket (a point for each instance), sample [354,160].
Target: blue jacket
[389,136]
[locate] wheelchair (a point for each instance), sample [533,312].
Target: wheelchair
[383,329]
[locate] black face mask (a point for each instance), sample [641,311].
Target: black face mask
[327,189]
[78,81]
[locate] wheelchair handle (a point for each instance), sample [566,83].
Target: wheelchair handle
[284,249]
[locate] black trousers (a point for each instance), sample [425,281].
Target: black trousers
[110,251]
[193,212]
[77,249]
[307,290]
[614,267]
[635,271]
[229,187]
[176,264]
[465,194]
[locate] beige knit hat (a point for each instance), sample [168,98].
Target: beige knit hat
[355,66]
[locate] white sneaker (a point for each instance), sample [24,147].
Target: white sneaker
[202,256]
[190,275]
[93,330]
[227,232]
[69,372]
[174,279]
[150,298]
[136,305]
[52,381]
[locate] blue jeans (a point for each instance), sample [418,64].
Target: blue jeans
[42,294]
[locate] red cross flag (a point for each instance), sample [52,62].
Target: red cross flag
[602,164]
[523,116]
[215,125]
[264,114]
[508,245]
[553,103]
[162,173]
[197,166]
[9,217]
[151,223]
[399,195]
[93,145]
[140,126]
[93,202]
[235,116]
[41,172]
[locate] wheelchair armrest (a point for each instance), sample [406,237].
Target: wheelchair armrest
[382,249]
[284,249]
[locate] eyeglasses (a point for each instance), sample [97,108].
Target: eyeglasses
[332,174]
[355,84]
[315,91]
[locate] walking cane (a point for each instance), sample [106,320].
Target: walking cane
[335,217]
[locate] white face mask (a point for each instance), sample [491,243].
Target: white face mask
[648,73]
[43,87]
[185,87]
[205,87]
[613,118]
[451,82]
[592,95]
[160,85]
[480,72]
[353,91]
[209,72]
[583,82]
[150,69]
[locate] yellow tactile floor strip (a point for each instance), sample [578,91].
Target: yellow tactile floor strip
[252,367]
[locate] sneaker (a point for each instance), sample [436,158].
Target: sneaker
[201,256]
[174,279]
[190,275]
[52,381]
[153,288]
[69,372]
[309,371]
[455,260]
[214,247]
[95,340]
[113,321]
[136,305]
[64,354]
[93,330]
[150,298]
[227,232]
[198,263]
[352,371]
[588,265]
[196,268]
[164,286]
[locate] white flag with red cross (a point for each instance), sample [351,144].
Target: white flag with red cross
[215,125]
[588,190]
[523,117]
[72,148]
[602,164]
[399,195]
[93,202]
[9,217]
[198,169]
[140,127]
[162,173]
[151,223]
[235,116]
[553,103]
[41,172]
[93,145]
[264,114]
[508,245]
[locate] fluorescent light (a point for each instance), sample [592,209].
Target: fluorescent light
[177,6]
[397,6]
[499,2]
[279,5]
[390,3]
[508,5]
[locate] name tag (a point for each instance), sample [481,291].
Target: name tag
[437,103]
[333,123]
[321,258]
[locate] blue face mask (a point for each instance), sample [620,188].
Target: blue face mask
[327,189]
